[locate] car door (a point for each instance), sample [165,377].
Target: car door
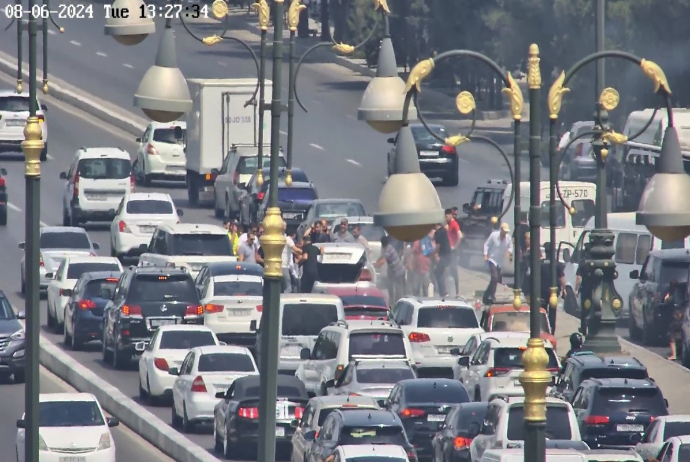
[572,263]
[146,359]
[487,432]
[223,182]
[68,192]
[322,443]
[299,444]
[342,386]
[141,149]
[637,294]
[200,281]
[442,437]
[471,376]
[310,376]
[53,291]
[467,351]
[180,385]
[580,403]
[220,412]
[115,224]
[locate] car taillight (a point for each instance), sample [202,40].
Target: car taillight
[260,195]
[409,412]
[597,420]
[194,310]
[411,455]
[449,150]
[161,364]
[198,386]
[338,371]
[248,412]
[497,372]
[2,182]
[299,412]
[365,276]
[461,442]
[260,308]
[150,150]
[553,370]
[123,227]
[419,337]
[86,305]
[40,259]
[132,183]
[211,308]
[76,184]
[578,150]
[131,310]
[63,293]
[211,177]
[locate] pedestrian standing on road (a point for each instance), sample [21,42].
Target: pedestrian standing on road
[247,251]
[343,235]
[421,266]
[442,256]
[546,284]
[310,265]
[673,307]
[396,270]
[290,252]
[454,238]
[496,247]
[359,239]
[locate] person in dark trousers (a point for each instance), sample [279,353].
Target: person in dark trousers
[443,257]
[546,284]
[310,265]
[496,247]
[396,269]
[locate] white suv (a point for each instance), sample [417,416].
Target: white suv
[345,341]
[97,180]
[137,217]
[14,110]
[434,327]
[161,153]
[504,424]
[496,366]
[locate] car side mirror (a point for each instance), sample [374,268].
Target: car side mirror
[635,274]
[252,325]
[21,315]
[112,422]
[174,371]
[294,423]
[390,140]
[220,394]
[63,175]
[566,254]
[180,212]
[144,247]
[106,294]
[215,172]
[464,361]
[455,351]
[140,346]
[49,275]
[177,131]
[21,423]
[44,108]
[137,139]
[304,354]
[466,207]
[3,171]
[96,245]
[310,435]
[330,383]
[21,245]
[66,292]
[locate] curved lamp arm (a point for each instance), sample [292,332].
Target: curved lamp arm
[495,220]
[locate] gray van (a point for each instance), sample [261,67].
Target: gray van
[302,316]
[632,243]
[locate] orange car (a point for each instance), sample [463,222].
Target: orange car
[504,318]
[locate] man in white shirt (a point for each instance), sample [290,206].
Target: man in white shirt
[496,247]
[289,251]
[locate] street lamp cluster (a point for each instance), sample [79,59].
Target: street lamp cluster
[409,205]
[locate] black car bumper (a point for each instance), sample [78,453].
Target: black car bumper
[438,167]
[421,441]
[247,433]
[11,145]
[79,214]
[88,328]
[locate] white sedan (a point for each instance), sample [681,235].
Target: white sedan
[71,423]
[168,348]
[137,217]
[204,377]
[63,280]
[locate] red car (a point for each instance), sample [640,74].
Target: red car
[360,300]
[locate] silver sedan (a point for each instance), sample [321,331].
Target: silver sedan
[372,378]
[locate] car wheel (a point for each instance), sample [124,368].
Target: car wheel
[217,443]
[151,399]
[228,450]
[187,425]
[3,216]
[119,358]
[192,192]
[477,395]
[51,319]
[44,152]
[73,221]
[324,390]
[65,218]
[453,179]
[175,420]
[143,395]
[105,352]
[19,376]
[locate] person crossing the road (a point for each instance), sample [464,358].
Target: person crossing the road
[496,247]
[396,270]
[454,238]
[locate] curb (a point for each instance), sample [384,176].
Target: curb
[60,90]
[131,414]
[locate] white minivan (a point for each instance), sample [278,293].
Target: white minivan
[580,195]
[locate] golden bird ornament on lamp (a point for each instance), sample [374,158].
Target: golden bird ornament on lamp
[264,12]
[418,73]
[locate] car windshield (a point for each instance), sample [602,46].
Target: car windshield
[447,317]
[364,300]
[236,288]
[557,423]
[672,429]
[167,135]
[6,311]
[372,435]
[93,288]
[516,321]
[649,400]
[421,135]
[248,165]
[674,270]
[339,209]
[14,104]
[613,373]
[157,288]
[70,414]
[67,240]
[376,344]
[201,244]
[387,375]
[186,339]
[75,270]
[104,168]
[307,318]
[511,358]
[296,194]
[149,207]
[429,391]
[225,362]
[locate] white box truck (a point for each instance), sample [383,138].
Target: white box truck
[220,121]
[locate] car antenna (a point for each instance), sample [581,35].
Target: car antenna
[348,399]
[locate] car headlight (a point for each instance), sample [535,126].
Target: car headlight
[19,335]
[42,446]
[105,442]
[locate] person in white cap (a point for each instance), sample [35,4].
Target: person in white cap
[496,247]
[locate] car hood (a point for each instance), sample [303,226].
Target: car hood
[9,326]
[53,257]
[72,438]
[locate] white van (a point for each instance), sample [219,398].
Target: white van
[632,243]
[302,316]
[577,194]
[518,455]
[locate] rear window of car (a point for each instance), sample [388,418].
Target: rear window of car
[154,288]
[150,207]
[557,423]
[185,339]
[352,312]
[296,195]
[672,429]
[447,317]
[65,241]
[104,168]
[421,134]
[93,288]
[14,104]
[613,373]
[74,271]
[203,244]
[284,391]
[307,318]
[648,400]
[225,362]
[432,392]
[248,165]
[167,135]
[368,300]
[236,288]
[386,376]
[511,358]
[377,344]
[373,435]
[340,209]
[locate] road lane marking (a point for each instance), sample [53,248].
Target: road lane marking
[354,162]
[222,64]
[350,116]
[463,160]
[283,132]
[75,43]
[51,32]
[11,206]
[49,157]
[128,66]
[42,223]
[100,53]
[320,148]
[316,101]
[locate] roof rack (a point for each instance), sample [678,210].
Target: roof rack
[501,397]
[340,322]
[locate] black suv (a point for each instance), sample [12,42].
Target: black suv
[586,365]
[3,197]
[357,427]
[12,341]
[487,202]
[255,194]
[616,412]
[144,299]
[293,202]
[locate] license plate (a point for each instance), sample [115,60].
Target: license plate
[336,257]
[444,350]
[428,153]
[436,418]
[97,197]
[280,431]
[156,323]
[16,123]
[72,459]
[175,167]
[147,229]
[630,428]
[281,412]
[291,351]
[221,388]
[240,312]
[292,216]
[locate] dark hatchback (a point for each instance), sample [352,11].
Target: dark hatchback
[293,202]
[84,308]
[616,412]
[12,342]
[422,405]
[146,298]
[452,441]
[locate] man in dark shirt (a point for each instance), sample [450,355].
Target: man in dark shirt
[310,265]
[318,236]
[442,253]
[546,284]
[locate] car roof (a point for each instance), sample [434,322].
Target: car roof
[210,349]
[622,383]
[369,417]
[104,152]
[176,123]
[339,400]
[63,229]
[671,254]
[374,324]
[57,397]
[426,382]
[158,270]
[224,268]
[377,450]
[435,301]
[141,196]
[593,361]
[191,228]
[90,259]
